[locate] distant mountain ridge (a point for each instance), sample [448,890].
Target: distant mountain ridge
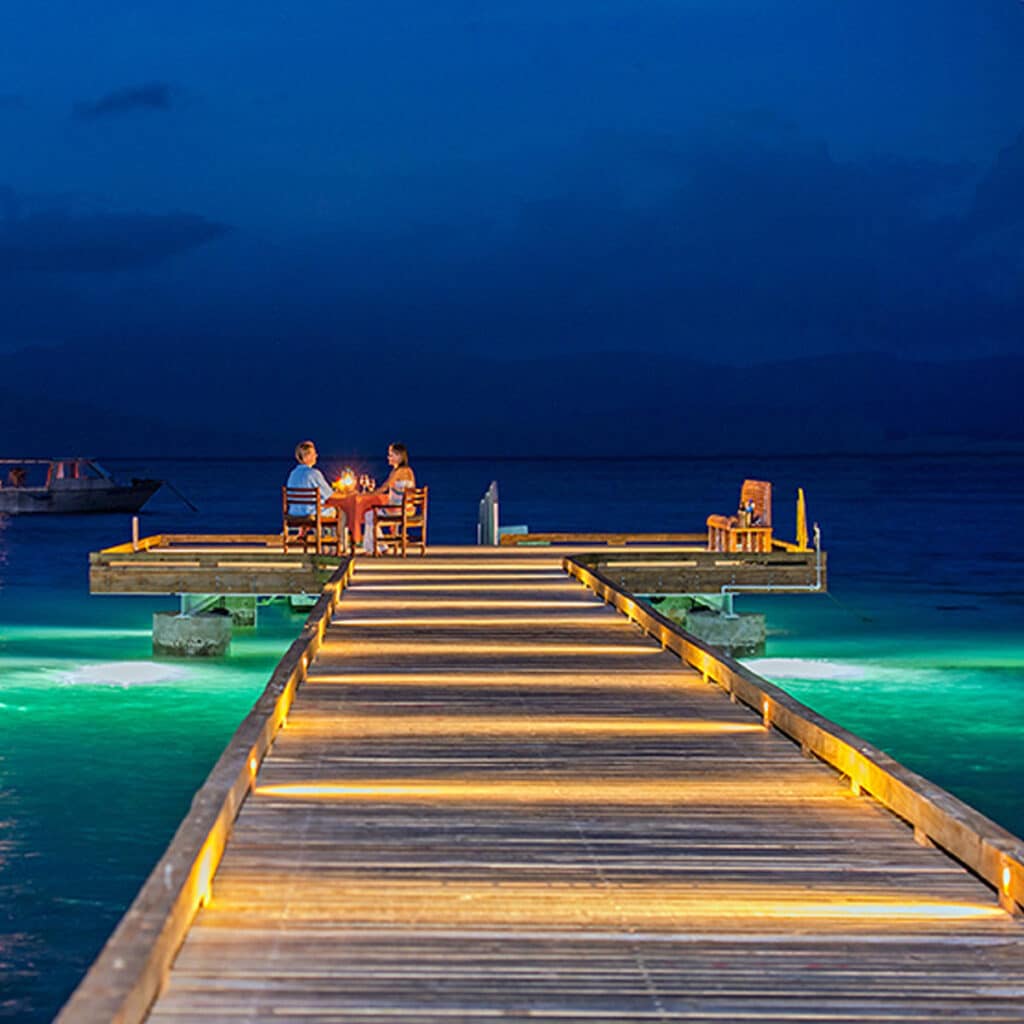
[236,403]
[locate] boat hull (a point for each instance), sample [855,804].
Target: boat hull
[77,497]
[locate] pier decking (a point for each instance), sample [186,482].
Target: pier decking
[254,564]
[498,797]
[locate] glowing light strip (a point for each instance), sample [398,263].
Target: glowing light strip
[516,901]
[162,564]
[372,567]
[427,646]
[734,791]
[357,603]
[265,565]
[549,679]
[363,588]
[690,563]
[513,725]
[497,621]
[491,577]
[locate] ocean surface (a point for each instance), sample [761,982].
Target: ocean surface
[919,647]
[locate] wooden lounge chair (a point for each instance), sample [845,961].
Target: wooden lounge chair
[396,528]
[315,529]
[732,533]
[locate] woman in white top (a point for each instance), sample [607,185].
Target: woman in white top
[399,480]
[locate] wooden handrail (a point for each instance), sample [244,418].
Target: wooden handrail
[145,543]
[169,540]
[986,848]
[785,545]
[133,965]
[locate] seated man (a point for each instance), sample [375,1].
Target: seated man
[305,474]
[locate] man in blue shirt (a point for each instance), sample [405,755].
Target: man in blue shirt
[305,474]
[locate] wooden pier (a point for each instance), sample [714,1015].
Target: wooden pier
[507,789]
[254,564]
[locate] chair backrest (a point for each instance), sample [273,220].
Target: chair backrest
[414,505]
[760,492]
[300,502]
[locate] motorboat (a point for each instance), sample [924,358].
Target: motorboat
[76,485]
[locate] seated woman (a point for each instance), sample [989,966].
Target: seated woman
[399,479]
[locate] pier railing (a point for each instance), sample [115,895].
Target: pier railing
[183,563]
[937,817]
[133,965]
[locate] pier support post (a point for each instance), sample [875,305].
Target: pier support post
[207,635]
[711,618]
[241,608]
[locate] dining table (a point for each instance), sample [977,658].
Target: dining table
[355,505]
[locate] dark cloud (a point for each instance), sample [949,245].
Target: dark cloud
[747,246]
[747,243]
[152,96]
[58,241]
[999,200]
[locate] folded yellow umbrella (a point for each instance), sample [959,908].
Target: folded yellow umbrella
[801,520]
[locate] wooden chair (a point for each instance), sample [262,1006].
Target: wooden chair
[760,493]
[317,529]
[396,528]
[729,533]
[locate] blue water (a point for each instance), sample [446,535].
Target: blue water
[919,648]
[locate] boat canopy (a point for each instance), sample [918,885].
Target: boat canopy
[73,468]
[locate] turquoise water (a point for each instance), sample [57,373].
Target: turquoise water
[939,688]
[102,749]
[920,649]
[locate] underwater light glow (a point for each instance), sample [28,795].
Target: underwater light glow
[123,673]
[805,668]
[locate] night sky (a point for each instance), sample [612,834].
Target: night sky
[484,219]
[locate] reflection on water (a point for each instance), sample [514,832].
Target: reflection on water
[3,549]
